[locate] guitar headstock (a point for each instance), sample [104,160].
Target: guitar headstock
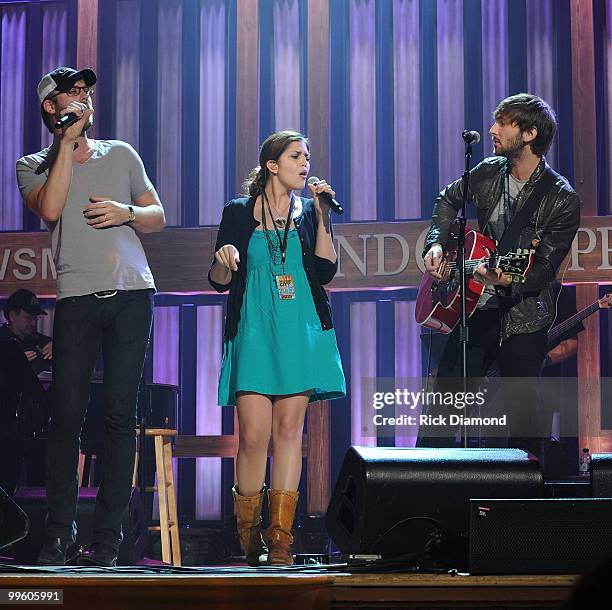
[606,301]
[516,264]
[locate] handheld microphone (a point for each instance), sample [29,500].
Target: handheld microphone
[327,198]
[67,119]
[470,137]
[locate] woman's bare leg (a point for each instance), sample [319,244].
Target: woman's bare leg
[255,425]
[288,415]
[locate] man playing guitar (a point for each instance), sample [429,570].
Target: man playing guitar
[512,318]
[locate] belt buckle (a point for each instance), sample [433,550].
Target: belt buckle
[105,294]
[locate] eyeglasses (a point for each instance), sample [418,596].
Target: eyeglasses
[76,91]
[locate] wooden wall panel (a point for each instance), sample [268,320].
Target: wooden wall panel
[247,88]
[585,183]
[318,86]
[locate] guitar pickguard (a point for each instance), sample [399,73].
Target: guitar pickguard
[444,292]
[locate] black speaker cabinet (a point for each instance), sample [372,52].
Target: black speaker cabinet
[33,501]
[394,501]
[601,475]
[539,536]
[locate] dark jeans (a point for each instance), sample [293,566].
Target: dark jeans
[120,326]
[519,356]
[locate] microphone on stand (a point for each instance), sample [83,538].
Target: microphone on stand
[327,198]
[470,137]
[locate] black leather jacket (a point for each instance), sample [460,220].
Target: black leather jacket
[526,307]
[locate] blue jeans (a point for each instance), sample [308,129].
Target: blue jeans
[120,326]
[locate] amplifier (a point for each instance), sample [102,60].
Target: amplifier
[539,536]
[392,501]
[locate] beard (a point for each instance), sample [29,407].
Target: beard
[88,125]
[514,149]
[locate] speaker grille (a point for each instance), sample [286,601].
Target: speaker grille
[538,536]
[601,475]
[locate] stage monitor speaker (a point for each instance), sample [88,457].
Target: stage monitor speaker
[539,536]
[601,475]
[34,502]
[398,502]
[14,523]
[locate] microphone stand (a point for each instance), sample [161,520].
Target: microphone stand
[464,330]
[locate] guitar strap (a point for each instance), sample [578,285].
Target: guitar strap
[521,218]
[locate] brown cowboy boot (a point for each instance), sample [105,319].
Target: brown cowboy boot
[248,520]
[278,534]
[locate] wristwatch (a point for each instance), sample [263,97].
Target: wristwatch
[132,217]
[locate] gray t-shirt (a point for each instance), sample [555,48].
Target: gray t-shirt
[499,220]
[89,260]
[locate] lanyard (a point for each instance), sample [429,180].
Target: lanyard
[282,242]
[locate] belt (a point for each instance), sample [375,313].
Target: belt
[105,294]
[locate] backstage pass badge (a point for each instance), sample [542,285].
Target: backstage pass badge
[286,289]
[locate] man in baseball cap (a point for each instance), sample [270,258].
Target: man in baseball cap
[95,198]
[26,300]
[23,411]
[62,80]
[21,312]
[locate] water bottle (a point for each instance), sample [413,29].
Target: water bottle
[584,469]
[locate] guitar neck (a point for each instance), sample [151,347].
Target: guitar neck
[571,322]
[472,265]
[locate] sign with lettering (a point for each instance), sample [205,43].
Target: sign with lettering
[370,256]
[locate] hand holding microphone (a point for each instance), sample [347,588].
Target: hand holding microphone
[66,120]
[74,113]
[325,196]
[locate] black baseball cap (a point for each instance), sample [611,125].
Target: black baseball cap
[63,79]
[26,300]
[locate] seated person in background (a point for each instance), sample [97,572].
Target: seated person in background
[22,408]
[21,312]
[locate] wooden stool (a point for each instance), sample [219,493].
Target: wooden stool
[168,519]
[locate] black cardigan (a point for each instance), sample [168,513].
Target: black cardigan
[236,228]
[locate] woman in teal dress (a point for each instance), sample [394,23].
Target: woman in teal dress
[274,253]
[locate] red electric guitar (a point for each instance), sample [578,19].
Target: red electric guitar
[438,302]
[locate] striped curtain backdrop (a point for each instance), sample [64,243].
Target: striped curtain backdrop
[383,88]
[394,87]
[35,37]
[403,78]
[12,92]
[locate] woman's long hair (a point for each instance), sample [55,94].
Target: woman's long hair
[271,149]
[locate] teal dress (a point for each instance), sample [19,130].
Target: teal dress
[280,347]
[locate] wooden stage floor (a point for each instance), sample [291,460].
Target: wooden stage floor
[268,589]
